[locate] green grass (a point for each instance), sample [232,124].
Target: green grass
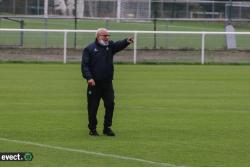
[190,115]
[37,40]
[113,25]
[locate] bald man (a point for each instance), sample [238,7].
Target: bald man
[97,68]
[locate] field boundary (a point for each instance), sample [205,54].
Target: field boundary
[114,156]
[64,34]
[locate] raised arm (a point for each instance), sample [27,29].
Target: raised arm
[122,44]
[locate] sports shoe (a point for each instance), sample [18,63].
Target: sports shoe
[108,132]
[93,133]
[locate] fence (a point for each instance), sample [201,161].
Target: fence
[196,44]
[120,9]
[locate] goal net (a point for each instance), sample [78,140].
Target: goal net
[101,8]
[134,9]
[238,10]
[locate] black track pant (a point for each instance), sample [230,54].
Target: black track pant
[104,90]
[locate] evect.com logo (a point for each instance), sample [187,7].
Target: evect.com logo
[16,156]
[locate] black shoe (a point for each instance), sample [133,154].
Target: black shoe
[93,133]
[108,132]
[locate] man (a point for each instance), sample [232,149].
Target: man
[97,68]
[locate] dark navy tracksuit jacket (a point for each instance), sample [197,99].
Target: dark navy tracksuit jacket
[97,60]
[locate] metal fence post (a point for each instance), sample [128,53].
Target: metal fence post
[135,47]
[203,48]
[65,48]
[21,33]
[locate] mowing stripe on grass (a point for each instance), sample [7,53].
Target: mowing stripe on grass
[89,152]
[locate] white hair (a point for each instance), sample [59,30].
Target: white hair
[99,30]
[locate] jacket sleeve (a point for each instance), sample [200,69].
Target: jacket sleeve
[119,45]
[85,66]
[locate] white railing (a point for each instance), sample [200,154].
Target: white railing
[135,34]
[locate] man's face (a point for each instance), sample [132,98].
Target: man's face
[103,35]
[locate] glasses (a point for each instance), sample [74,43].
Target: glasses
[105,35]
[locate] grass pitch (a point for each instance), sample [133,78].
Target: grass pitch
[188,115]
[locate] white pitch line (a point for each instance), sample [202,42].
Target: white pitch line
[89,152]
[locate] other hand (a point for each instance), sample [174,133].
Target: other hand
[91,82]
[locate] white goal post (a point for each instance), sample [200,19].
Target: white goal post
[125,8]
[206,15]
[139,9]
